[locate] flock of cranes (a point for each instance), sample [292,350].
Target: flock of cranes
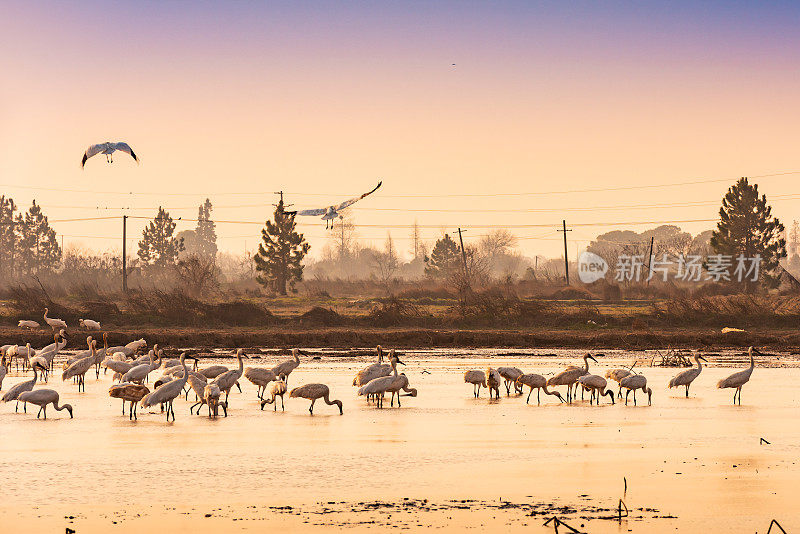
[576,378]
[212,385]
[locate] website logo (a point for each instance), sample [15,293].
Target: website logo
[591,267]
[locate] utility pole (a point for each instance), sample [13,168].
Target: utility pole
[124,253]
[566,261]
[650,260]
[281,194]
[463,256]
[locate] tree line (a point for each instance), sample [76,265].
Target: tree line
[28,244]
[29,247]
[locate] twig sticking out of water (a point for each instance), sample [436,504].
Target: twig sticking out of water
[763,441]
[557,522]
[625,492]
[775,522]
[620,507]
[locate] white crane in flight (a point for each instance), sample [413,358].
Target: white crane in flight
[108,148]
[331,213]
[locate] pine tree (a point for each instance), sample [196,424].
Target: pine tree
[158,247]
[38,249]
[281,252]
[8,237]
[444,259]
[747,227]
[206,231]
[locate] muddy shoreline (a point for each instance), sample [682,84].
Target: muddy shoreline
[706,338]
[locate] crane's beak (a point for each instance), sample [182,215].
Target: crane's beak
[758,351]
[702,358]
[593,358]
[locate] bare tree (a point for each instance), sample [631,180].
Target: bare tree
[499,241]
[387,263]
[344,238]
[416,241]
[199,273]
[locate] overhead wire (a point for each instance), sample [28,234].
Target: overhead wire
[438,195]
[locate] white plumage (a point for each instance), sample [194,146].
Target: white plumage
[167,393]
[54,323]
[330,213]
[377,387]
[371,372]
[737,380]
[538,382]
[569,376]
[89,324]
[108,148]
[228,379]
[685,378]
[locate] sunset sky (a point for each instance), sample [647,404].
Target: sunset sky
[506,101]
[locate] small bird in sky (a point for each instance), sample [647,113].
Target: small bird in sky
[108,148]
[330,213]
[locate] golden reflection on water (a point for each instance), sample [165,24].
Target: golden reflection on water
[698,459]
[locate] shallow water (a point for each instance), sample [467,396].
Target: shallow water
[697,459]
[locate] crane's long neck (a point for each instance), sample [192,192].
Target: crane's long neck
[548,392]
[241,364]
[699,365]
[330,402]
[294,353]
[752,361]
[62,407]
[185,373]
[586,363]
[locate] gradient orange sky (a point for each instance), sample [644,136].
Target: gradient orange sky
[323,100]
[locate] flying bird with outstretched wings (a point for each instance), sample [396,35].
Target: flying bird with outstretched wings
[330,213]
[108,148]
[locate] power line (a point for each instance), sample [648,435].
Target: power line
[410,226]
[447,195]
[773,198]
